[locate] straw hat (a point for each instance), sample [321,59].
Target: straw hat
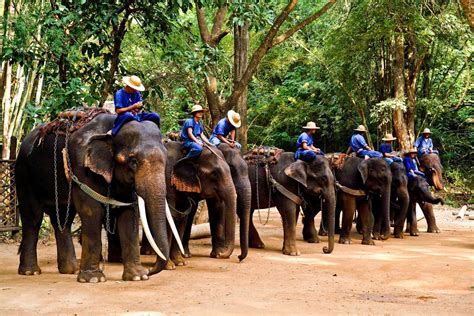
[426,131]
[234,118]
[310,125]
[360,128]
[197,108]
[388,137]
[413,151]
[133,82]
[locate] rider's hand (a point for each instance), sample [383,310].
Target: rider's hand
[232,145]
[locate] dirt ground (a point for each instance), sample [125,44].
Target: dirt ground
[429,274]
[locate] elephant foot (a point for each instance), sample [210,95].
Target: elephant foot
[311,236]
[220,254]
[414,233]
[71,268]
[135,273]
[143,251]
[377,236]
[433,229]
[29,270]
[313,240]
[179,261]
[344,240]
[91,276]
[170,265]
[398,235]
[187,253]
[322,232]
[291,251]
[368,242]
[256,244]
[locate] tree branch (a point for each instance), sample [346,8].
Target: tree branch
[303,23]
[203,30]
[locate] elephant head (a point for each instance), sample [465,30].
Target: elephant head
[210,178]
[377,178]
[430,164]
[317,179]
[135,160]
[419,190]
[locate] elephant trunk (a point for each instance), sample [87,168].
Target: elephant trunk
[436,176]
[151,187]
[243,204]
[230,210]
[329,205]
[385,205]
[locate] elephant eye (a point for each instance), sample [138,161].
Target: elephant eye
[133,163]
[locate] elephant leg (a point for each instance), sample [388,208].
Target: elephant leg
[127,224]
[66,255]
[114,249]
[367,219]
[254,238]
[337,220]
[187,232]
[176,258]
[31,218]
[323,224]
[216,221]
[310,234]
[358,223]
[288,211]
[348,204]
[92,218]
[377,229]
[412,225]
[427,209]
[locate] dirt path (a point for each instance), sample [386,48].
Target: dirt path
[429,274]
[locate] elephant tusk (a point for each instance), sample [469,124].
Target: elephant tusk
[146,228]
[173,227]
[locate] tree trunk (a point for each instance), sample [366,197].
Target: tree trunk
[468,8]
[6,108]
[399,124]
[241,47]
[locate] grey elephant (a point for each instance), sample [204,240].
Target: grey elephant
[372,176]
[121,167]
[308,181]
[190,180]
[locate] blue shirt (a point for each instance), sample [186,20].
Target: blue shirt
[197,129]
[123,99]
[410,164]
[423,144]
[223,128]
[384,148]
[304,138]
[358,142]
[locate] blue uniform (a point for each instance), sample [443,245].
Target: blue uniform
[358,144]
[301,153]
[410,165]
[424,145]
[387,149]
[193,149]
[223,128]
[122,99]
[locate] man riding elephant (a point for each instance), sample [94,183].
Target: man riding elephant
[359,145]
[305,149]
[226,128]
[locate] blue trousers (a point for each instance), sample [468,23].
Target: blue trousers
[216,141]
[418,173]
[193,149]
[421,152]
[370,153]
[393,159]
[306,155]
[127,116]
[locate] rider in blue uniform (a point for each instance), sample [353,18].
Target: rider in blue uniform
[424,144]
[386,149]
[410,165]
[305,149]
[192,133]
[128,102]
[359,145]
[226,128]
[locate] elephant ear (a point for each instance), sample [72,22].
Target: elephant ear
[298,171]
[184,176]
[364,170]
[99,156]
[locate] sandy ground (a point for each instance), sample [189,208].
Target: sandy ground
[429,274]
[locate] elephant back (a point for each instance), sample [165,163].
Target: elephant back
[263,155]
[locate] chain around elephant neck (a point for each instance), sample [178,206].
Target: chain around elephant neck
[56,194]
[269,191]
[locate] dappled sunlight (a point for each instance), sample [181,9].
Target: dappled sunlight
[382,256]
[304,261]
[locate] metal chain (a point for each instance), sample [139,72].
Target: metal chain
[55,167]
[269,192]
[107,217]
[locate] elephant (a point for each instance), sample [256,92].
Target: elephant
[132,162]
[190,180]
[420,193]
[374,177]
[430,164]
[308,180]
